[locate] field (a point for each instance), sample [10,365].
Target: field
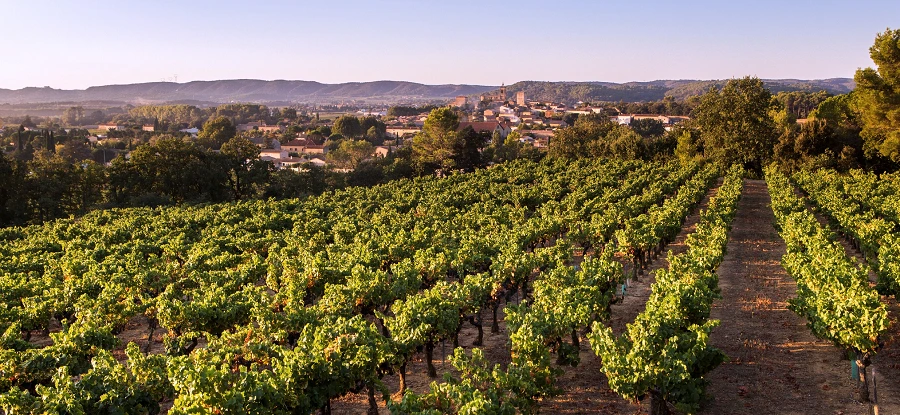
[570,288]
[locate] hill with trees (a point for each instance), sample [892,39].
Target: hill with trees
[250,90]
[571,92]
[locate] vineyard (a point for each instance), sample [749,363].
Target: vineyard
[287,307]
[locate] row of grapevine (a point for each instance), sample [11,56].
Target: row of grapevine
[564,302]
[665,351]
[282,306]
[833,291]
[869,222]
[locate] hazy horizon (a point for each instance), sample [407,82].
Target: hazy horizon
[400,80]
[76,46]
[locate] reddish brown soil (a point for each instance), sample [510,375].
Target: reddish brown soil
[775,365]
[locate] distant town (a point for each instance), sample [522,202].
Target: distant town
[293,136]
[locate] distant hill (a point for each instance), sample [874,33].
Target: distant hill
[249,90]
[657,90]
[245,90]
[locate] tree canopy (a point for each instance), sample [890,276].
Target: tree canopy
[877,96]
[436,144]
[216,132]
[736,123]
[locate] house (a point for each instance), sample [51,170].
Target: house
[272,128]
[556,123]
[261,143]
[260,126]
[314,149]
[382,151]
[460,101]
[272,154]
[623,119]
[488,127]
[148,127]
[192,131]
[317,162]
[401,131]
[108,127]
[296,146]
[500,96]
[290,162]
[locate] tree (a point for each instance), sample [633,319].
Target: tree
[170,170]
[347,126]
[75,150]
[625,143]
[215,133]
[246,172]
[350,153]
[73,115]
[736,124]
[51,186]
[878,98]
[13,200]
[373,128]
[648,127]
[688,145]
[583,138]
[468,149]
[28,123]
[436,144]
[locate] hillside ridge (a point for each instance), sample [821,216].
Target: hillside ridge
[296,91]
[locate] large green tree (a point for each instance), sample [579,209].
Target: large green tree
[436,144]
[350,153]
[216,132]
[877,97]
[583,139]
[348,126]
[736,123]
[247,174]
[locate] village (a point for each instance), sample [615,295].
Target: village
[292,143]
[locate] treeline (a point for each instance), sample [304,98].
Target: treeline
[743,122]
[636,92]
[44,178]
[167,171]
[408,111]
[178,116]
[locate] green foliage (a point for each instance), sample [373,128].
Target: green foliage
[833,293]
[350,153]
[736,124]
[665,352]
[436,144]
[877,97]
[216,132]
[282,306]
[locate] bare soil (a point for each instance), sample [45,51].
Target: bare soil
[775,365]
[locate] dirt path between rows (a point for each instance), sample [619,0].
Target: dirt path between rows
[776,365]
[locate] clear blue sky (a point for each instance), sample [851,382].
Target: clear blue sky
[75,44]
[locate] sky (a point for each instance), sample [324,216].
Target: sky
[74,44]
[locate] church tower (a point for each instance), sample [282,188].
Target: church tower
[502,93]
